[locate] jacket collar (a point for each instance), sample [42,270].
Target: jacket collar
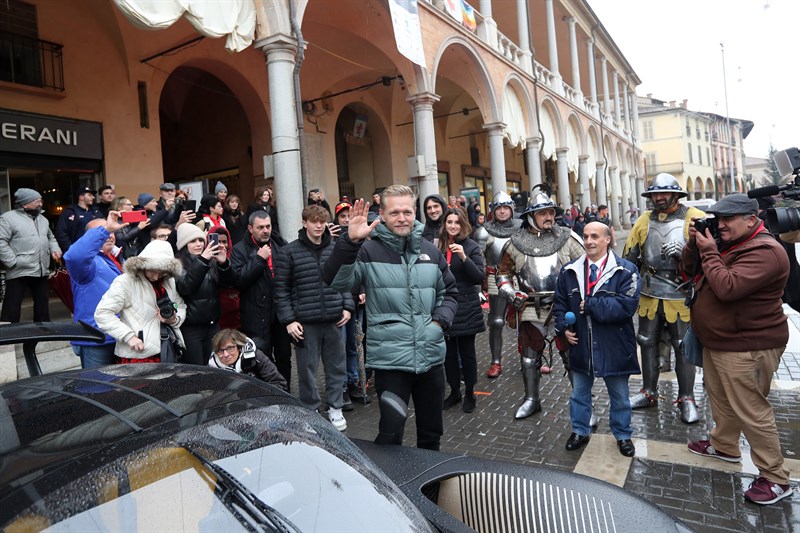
[579,267]
[401,245]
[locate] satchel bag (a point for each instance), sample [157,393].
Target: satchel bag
[692,348]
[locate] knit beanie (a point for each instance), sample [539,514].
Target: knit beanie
[220,187]
[187,233]
[25,196]
[145,198]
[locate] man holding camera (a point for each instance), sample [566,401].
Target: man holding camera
[654,246]
[738,317]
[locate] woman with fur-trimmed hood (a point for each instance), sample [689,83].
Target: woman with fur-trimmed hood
[147,278]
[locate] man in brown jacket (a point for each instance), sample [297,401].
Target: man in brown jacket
[737,316]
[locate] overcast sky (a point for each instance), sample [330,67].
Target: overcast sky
[674,47]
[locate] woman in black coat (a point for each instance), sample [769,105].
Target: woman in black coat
[235,219]
[206,268]
[467,265]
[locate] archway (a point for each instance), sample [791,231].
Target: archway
[363,154]
[205,133]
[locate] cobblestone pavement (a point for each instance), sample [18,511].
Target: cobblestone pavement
[704,496]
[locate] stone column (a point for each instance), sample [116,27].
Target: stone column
[526,61]
[487,30]
[497,157]
[606,96]
[592,74]
[635,115]
[280,52]
[625,194]
[627,123]
[600,182]
[562,173]
[552,48]
[573,58]
[639,190]
[533,153]
[613,201]
[425,141]
[583,179]
[615,82]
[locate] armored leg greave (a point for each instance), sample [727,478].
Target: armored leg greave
[648,341]
[685,373]
[497,321]
[531,362]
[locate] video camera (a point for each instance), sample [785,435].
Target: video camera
[783,219]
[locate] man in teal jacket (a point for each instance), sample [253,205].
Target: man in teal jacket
[410,300]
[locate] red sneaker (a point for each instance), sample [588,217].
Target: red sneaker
[764,492]
[704,447]
[495,369]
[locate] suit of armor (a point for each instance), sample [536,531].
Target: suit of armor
[534,257]
[654,245]
[493,237]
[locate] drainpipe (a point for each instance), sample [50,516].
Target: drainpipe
[298,102]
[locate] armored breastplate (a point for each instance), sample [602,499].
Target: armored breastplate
[538,274]
[660,274]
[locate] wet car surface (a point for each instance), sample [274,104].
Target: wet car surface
[182,448]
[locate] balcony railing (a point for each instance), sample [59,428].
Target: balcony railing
[29,61]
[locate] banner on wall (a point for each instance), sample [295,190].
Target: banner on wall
[462,12]
[407,32]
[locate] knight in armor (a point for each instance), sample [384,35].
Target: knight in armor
[654,246]
[493,237]
[535,255]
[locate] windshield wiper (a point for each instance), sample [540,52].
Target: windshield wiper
[239,499]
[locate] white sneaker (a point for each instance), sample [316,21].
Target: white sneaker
[337,419]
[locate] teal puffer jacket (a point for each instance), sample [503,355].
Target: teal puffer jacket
[408,287]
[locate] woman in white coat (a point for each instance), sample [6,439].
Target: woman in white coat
[148,282]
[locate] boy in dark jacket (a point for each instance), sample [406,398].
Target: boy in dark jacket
[313,313]
[601,292]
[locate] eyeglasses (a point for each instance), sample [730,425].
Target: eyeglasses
[162,236]
[128,203]
[230,350]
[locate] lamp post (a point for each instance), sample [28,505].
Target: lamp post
[728,119]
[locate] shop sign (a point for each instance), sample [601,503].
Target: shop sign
[46,135]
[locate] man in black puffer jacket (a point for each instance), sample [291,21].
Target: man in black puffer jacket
[313,313]
[253,271]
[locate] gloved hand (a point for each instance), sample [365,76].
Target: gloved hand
[671,249]
[519,300]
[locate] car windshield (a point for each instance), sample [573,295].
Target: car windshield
[278,464]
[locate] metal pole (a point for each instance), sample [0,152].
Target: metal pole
[728,119]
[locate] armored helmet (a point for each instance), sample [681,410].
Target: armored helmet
[539,201]
[665,183]
[502,199]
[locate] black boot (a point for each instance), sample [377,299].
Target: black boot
[453,399]
[469,402]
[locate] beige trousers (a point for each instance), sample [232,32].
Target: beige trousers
[737,384]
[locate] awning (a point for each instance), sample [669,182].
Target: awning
[234,19]
[548,134]
[516,132]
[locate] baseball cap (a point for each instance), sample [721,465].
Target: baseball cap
[341,206]
[84,190]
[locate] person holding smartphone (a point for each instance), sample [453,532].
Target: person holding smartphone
[205,269]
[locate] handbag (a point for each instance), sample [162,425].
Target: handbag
[692,348]
[171,350]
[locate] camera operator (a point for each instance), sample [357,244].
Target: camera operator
[738,317]
[791,293]
[143,310]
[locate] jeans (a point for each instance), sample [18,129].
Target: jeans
[323,342]
[427,390]
[463,346]
[94,356]
[580,405]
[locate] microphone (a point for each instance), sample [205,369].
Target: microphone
[761,192]
[569,319]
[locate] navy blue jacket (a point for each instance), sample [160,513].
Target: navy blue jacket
[606,339]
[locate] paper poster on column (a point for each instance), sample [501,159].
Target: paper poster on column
[407,33]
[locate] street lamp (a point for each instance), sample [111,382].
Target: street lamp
[728,119]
